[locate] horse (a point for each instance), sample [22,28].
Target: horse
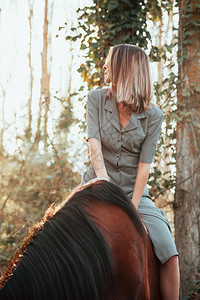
[92,247]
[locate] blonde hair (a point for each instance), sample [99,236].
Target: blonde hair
[130,77]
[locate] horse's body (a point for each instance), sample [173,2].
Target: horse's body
[93,248]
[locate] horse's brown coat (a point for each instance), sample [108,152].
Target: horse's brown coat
[137,269]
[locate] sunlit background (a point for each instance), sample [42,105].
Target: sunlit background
[43,151]
[15,71]
[63,60]
[14,63]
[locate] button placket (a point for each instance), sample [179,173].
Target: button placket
[119,139]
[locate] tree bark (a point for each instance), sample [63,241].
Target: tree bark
[3,122]
[47,62]
[29,127]
[45,79]
[187,198]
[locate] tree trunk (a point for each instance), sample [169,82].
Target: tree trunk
[66,116]
[164,201]
[29,127]
[3,122]
[45,79]
[187,198]
[47,66]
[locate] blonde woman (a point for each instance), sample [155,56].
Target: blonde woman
[123,129]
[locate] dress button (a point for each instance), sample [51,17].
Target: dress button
[118,155]
[119,138]
[117,169]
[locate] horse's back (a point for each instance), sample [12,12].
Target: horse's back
[137,274]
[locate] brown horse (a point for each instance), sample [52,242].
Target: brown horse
[92,247]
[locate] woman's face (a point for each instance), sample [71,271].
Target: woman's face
[107,69]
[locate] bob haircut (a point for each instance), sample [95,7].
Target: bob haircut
[130,77]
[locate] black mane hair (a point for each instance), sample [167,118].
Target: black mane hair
[66,256]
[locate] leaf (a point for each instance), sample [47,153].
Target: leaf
[81,69]
[191,32]
[186,93]
[68,37]
[185,113]
[83,46]
[197,88]
[81,88]
[112,5]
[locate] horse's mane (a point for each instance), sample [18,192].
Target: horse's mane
[65,256]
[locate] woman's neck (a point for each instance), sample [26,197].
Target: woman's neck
[125,109]
[125,113]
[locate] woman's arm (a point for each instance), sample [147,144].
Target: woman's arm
[147,152]
[140,183]
[97,160]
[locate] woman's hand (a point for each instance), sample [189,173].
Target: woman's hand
[140,183]
[97,179]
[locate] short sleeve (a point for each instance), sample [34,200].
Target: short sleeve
[148,147]
[92,116]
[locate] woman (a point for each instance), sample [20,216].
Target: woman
[123,129]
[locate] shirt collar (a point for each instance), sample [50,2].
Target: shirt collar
[111,107]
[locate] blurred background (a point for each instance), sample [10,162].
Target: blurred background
[51,55]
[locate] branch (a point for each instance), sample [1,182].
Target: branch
[179,183]
[181,78]
[15,182]
[13,234]
[192,274]
[57,155]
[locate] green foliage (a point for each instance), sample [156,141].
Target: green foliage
[35,176]
[66,118]
[44,178]
[104,24]
[155,9]
[190,24]
[194,291]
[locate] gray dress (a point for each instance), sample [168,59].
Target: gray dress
[122,150]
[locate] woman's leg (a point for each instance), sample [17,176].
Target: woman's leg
[169,279]
[164,247]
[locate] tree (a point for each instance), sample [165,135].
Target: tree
[28,132]
[45,79]
[187,198]
[162,52]
[30,179]
[3,121]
